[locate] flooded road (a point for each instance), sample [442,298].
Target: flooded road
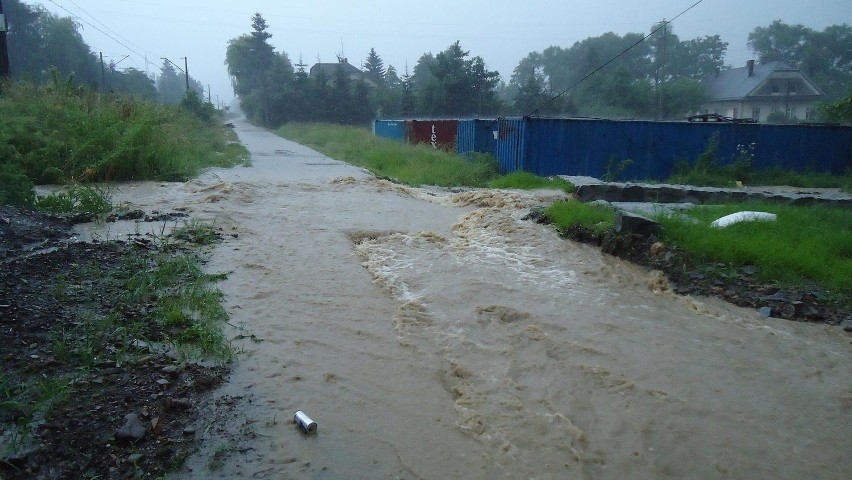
[436,335]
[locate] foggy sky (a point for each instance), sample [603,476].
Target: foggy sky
[500,31]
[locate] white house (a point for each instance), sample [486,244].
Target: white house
[758,90]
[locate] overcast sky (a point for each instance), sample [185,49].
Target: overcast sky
[500,31]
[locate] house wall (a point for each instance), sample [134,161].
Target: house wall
[759,109]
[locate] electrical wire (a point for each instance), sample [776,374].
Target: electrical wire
[105,25]
[140,55]
[631,47]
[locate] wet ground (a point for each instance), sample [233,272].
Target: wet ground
[47,283]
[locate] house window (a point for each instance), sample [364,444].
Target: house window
[735,113]
[775,88]
[755,113]
[808,113]
[793,112]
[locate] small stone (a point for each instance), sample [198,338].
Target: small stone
[189,431]
[171,369]
[133,429]
[765,311]
[657,248]
[140,345]
[134,458]
[749,270]
[846,325]
[163,382]
[775,297]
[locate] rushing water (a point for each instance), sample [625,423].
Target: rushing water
[437,335]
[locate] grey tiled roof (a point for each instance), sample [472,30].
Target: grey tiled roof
[735,83]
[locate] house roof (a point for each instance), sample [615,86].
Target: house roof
[736,83]
[330,69]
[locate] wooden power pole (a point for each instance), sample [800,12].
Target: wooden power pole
[4,50]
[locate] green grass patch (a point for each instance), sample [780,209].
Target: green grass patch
[528,181]
[83,199]
[567,213]
[804,244]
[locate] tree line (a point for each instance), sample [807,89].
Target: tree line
[43,45]
[658,77]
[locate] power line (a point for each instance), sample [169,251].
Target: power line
[631,47]
[98,29]
[105,25]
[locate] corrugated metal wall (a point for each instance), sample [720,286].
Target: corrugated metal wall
[510,149]
[585,146]
[393,129]
[476,136]
[437,133]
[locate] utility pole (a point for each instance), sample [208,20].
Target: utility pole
[661,73]
[186,71]
[4,51]
[208,93]
[103,86]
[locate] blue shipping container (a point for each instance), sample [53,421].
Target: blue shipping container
[393,129]
[476,136]
[510,138]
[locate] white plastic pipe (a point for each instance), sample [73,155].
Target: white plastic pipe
[743,217]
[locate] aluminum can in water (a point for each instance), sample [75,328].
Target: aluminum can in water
[304,422]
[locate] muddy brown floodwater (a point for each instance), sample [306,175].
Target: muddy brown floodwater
[436,335]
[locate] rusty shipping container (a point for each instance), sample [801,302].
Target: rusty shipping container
[442,134]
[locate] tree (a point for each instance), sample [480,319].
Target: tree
[839,111]
[171,88]
[451,84]
[375,67]
[133,82]
[257,72]
[824,56]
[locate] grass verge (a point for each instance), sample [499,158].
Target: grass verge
[61,134]
[805,244]
[411,164]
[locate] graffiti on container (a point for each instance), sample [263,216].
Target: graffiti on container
[434,136]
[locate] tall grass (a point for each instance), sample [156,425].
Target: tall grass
[62,133]
[804,244]
[566,214]
[411,164]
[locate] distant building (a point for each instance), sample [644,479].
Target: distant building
[757,91]
[329,70]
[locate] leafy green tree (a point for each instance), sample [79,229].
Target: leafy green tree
[171,88]
[532,97]
[133,82]
[825,56]
[452,84]
[839,111]
[257,73]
